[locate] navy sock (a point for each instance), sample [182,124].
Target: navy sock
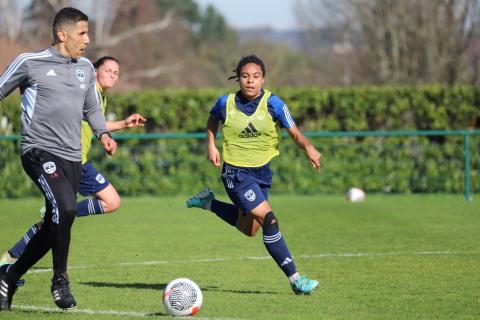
[225,211]
[276,245]
[17,250]
[89,206]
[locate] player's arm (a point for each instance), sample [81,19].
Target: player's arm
[132,121]
[93,114]
[284,117]
[212,129]
[217,115]
[302,142]
[14,76]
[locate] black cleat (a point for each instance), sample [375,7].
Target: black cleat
[3,272]
[7,291]
[61,293]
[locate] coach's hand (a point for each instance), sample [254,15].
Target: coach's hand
[109,144]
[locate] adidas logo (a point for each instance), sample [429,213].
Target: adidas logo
[286,261]
[250,132]
[51,73]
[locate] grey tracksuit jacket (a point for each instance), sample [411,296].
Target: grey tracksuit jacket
[57,93]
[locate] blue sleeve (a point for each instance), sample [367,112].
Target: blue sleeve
[219,110]
[281,112]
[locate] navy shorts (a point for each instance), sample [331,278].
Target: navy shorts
[247,187]
[92,181]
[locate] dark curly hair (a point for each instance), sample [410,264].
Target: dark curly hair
[246,60]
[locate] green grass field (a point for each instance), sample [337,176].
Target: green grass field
[391,257]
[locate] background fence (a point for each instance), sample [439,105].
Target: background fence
[377,161]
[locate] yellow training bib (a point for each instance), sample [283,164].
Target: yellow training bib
[87,133]
[249,141]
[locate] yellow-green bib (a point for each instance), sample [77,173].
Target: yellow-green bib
[249,141]
[87,133]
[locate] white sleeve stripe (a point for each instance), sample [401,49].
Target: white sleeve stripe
[28,102]
[288,116]
[19,61]
[98,94]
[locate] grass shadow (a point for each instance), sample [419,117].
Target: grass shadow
[40,310]
[149,286]
[161,286]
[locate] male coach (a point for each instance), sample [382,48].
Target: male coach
[58,90]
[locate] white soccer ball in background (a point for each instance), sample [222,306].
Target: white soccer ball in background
[182,297]
[355,195]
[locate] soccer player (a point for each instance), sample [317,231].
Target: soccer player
[250,119]
[105,198]
[58,90]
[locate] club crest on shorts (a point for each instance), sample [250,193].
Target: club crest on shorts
[49,167]
[100,178]
[250,195]
[80,75]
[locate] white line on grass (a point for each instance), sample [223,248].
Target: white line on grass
[303,256]
[138,314]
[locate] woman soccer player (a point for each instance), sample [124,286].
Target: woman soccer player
[105,198]
[250,119]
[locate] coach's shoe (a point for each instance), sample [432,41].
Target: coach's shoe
[202,199]
[7,258]
[7,291]
[3,272]
[303,285]
[61,292]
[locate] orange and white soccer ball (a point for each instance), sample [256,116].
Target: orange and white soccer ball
[356,195]
[182,297]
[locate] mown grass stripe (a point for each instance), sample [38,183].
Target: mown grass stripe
[303,256]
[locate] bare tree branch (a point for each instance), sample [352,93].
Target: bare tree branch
[149,27]
[105,15]
[151,72]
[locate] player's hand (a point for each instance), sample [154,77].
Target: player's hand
[314,157]
[214,156]
[109,144]
[135,120]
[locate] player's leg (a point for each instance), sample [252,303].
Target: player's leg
[41,240]
[247,224]
[58,180]
[18,248]
[228,212]
[273,239]
[110,198]
[61,187]
[205,199]
[106,198]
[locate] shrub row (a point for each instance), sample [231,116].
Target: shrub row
[398,165]
[314,109]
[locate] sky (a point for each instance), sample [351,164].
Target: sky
[242,14]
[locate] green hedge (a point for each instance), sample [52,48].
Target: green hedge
[398,165]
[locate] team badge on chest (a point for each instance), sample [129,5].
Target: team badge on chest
[80,75]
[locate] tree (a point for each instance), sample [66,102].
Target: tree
[11,15]
[408,41]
